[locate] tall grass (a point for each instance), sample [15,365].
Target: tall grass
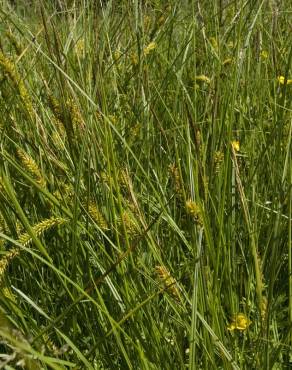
[146,175]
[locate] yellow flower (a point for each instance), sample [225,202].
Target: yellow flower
[264,54]
[281,80]
[239,322]
[235,145]
[203,78]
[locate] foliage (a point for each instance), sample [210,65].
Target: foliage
[145,185]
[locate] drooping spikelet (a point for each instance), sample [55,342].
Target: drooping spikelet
[168,281]
[71,110]
[227,61]
[40,228]
[218,159]
[214,43]
[75,114]
[97,216]
[124,178]
[134,59]
[130,225]
[55,107]
[4,261]
[31,167]
[50,344]
[25,239]
[2,228]
[263,308]
[10,71]
[79,48]
[13,41]
[7,293]
[175,174]
[106,179]
[194,211]
[146,22]
[64,191]
[58,134]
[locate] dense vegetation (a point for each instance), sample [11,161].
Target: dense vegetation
[145,184]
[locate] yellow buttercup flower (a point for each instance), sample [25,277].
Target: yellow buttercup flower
[235,145]
[281,80]
[239,322]
[264,54]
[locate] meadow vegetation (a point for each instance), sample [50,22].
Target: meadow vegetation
[145,184]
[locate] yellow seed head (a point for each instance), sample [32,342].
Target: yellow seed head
[97,216]
[10,70]
[203,78]
[106,179]
[218,159]
[161,20]
[134,59]
[227,62]
[55,107]
[79,48]
[4,261]
[31,167]
[40,228]
[14,42]
[124,178]
[214,43]
[8,294]
[194,211]
[129,224]
[263,308]
[146,22]
[50,344]
[75,114]
[168,281]
[117,55]
[174,171]
[149,48]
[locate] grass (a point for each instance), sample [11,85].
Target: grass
[145,193]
